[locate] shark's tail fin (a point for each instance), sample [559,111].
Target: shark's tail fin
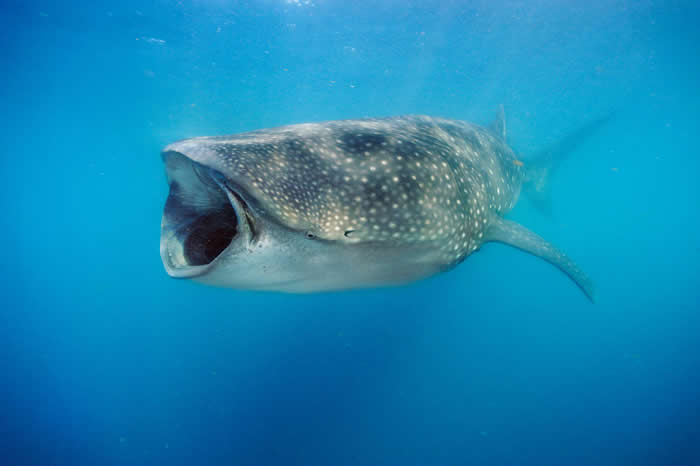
[541,167]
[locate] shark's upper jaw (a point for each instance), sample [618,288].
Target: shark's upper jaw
[202,218]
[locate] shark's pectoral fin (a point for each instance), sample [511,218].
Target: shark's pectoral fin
[516,235]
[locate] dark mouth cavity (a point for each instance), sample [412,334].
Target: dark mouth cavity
[209,235]
[198,212]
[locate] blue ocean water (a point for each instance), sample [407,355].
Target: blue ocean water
[108,361]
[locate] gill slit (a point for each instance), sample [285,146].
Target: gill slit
[254,232]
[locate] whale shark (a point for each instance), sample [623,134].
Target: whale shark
[351,203]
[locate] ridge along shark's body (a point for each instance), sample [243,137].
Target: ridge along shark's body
[347,204]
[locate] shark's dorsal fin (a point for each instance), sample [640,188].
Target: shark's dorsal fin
[498,126]
[516,235]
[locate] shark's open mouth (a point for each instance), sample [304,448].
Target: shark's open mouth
[199,220]
[208,236]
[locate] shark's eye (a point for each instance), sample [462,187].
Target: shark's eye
[310,235]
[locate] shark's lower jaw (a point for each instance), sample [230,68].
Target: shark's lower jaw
[199,222]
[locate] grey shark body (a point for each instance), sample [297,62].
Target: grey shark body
[344,204]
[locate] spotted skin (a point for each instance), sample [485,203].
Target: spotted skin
[411,183]
[413,179]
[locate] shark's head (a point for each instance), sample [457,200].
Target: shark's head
[259,211]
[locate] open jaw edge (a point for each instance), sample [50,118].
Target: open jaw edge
[203,217]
